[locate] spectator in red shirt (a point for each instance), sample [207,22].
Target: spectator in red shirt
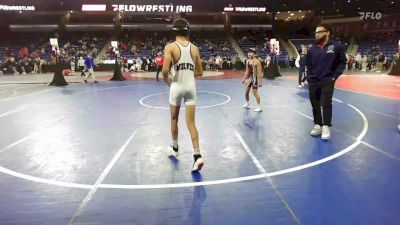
[125,64]
[67,72]
[159,63]
[21,54]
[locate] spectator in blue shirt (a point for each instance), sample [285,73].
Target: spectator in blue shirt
[89,67]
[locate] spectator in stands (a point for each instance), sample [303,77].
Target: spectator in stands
[229,63]
[21,66]
[395,61]
[235,62]
[220,62]
[370,61]
[94,51]
[287,61]
[38,65]
[29,64]
[358,61]
[146,64]
[267,61]
[217,61]
[293,61]
[364,63]
[125,64]
[350,62]
[81,63]
[301,64]
[133,49]
[72,64]
[381,61]
[138,64]
[14,65]
[374,62]
[210,63]
[152,65]
[7,52]
[10,65]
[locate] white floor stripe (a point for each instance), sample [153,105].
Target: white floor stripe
[28,106]
[263,171]
[101,178]
[384,114]
[305,115]
[381,151]
[359,138]
[14,97]
[22,140]
[337,100]
[18,142]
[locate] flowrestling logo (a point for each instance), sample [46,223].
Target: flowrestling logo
[370,15]
[245,9]
[17,8]
[94,7]
[153,8]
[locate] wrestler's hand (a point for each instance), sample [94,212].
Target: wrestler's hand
[169,81]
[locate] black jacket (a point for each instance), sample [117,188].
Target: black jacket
[325,62]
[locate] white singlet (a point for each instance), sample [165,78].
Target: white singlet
[183,84]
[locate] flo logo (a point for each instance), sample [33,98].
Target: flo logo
[370,15]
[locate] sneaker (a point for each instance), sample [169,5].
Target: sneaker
[247,105]
[198,163]
[316,130]
[300,86]
[326,133]
[85,81]
[172,151]
[96,81]
[258,109]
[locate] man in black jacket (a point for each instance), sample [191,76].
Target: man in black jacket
[325,62]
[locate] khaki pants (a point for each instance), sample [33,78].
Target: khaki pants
[90,73]
[380,66]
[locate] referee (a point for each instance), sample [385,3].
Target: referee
[325,62]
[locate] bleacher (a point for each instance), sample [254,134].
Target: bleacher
[34,43]
[258,41]
[388,49]
[217,39]
[200,39]
[302,42]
